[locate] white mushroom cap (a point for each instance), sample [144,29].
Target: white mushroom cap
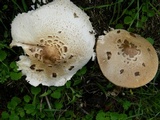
[58,40]
[126,59]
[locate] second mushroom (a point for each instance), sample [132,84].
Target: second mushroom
[126,59]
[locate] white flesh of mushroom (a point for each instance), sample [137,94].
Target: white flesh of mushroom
[58,40]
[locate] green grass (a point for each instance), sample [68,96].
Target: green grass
[88,96]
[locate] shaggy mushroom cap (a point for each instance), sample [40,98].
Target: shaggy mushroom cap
[126,59]
[57,39]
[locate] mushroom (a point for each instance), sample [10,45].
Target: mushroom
[57,40]
[126,59]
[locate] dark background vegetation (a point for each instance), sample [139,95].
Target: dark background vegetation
[89,95]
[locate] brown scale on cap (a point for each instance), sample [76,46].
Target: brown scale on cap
[50,55]
[50,50]
[75,15]
[33,67]
[39,70]
[71,67]
[128,50]
[126,59]
[54,75]
[109,54]
[121,71]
